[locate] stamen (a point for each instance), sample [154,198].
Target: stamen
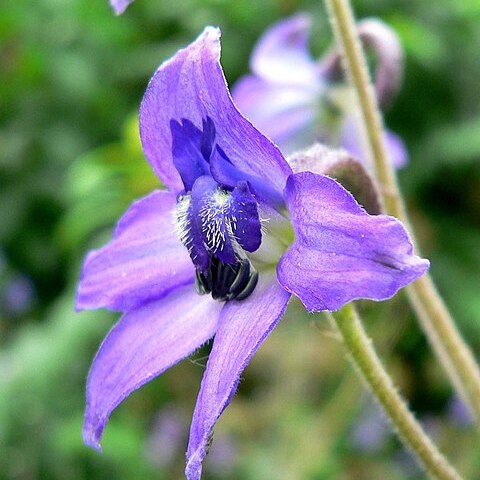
[210,235]
[249,287]
[182,224]
[227,281]
[241,278]
[215,221]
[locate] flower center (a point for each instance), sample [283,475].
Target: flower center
[212,228]
[217,212]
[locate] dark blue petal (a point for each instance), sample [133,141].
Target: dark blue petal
[245,218]
[225,173]
[220,223]
[208,138]
[209,206]
[188,145]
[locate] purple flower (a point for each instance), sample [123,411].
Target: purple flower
[119,6]
[371,431]
[294,100]
[459,413]
[18,296]
[167,440]
[221,251]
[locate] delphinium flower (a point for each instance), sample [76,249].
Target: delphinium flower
[119,6]
[458,413]
[220,253]
[296,100]
[371,430]
[166,440]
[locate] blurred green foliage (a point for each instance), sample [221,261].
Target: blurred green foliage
[72,77]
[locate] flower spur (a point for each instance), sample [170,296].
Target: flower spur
[238,224]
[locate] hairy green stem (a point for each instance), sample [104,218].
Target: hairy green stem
[435,319]
[364,358]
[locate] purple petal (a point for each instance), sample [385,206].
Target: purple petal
[144,260]
[397,149]
[286,113]
[246,225]
[143,344]
[226,174]
[340,253]
[119,6]
[188,158]
[191,86]
[242,328]
[351,139]
[281,55]
[209,225]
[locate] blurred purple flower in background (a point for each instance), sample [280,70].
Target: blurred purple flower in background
[169,434]
[235,223]
[18,295]
[17,290]
[119,6]
[459,413]
[167,437]
[371,430]
[296,101]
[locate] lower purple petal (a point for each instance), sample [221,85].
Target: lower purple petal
[340,252]
[144,260]
[143,344]
[242,328]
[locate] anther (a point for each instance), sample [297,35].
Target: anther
[249,287]
[227,281]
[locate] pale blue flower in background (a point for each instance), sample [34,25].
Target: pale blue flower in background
[296,100]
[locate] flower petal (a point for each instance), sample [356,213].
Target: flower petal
[226,174]
[340,253]
[209,225]
[246,222]
[242,328]
[191,86]
[347,170]
[285,112]
[143,344]
[351,139]
[188,158]
[119,6]
[397,149]
[282,53]
[144,260]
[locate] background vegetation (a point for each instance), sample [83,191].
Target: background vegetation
[72,77]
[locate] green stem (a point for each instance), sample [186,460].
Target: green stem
[435,319]
[366,361]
